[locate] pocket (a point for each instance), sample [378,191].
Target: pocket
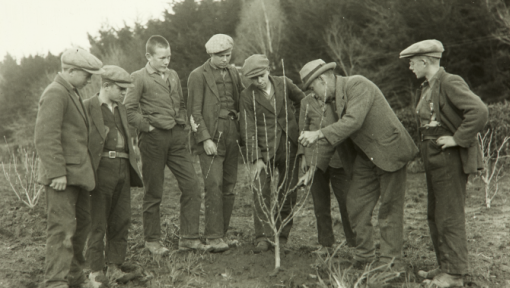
[389,138]
[436,156]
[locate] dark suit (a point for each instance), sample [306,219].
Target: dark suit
[383,149]
[110,200]
[61,141]
[219,171]
[258,120]
[462,114]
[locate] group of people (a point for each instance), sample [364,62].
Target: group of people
[329,130]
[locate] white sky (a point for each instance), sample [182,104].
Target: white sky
[29,27]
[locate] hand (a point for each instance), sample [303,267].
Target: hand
[151,128]
[304,166]
[257,167]
[306,178]
[432,123]
[59,183]
[446,142]
[210,147]
[308,138]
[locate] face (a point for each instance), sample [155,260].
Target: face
[222,59]
[418,66]
[319,86]
[79,78]
[261,81]
[160,59]
[115,93]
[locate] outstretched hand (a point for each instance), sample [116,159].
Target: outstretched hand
[308,138]
[257,168]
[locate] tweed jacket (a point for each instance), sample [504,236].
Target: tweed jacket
[153,97]
[204,102]
[463,113]
[368,120]
[61,137]
[259,119]
[322,151]
[98,137]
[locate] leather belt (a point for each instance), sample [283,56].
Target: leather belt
[115,154]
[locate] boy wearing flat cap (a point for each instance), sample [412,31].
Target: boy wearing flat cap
[382,149]
[155,106]
[270,131]
[65,168]
[328,168]
[449,115]
[213,104]
[114,161]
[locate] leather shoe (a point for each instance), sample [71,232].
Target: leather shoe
[218,245]
[156,248]
[429,274]
[193,244]
[448,280]
[262,246]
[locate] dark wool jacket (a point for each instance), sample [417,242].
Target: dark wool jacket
[62,137]
[464,113]
[98,137]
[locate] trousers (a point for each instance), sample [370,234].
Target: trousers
[446,189]
[369,185]
[110,209]
[160,148]
[220,177]
[266,192]
[68,227]
[322,204]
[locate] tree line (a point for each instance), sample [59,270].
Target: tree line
[362,36]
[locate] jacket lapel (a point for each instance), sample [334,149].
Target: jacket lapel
[262,100]
[435,93]
[97,116]
[279,94]
[209,78]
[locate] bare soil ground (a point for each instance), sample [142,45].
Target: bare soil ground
[22,244]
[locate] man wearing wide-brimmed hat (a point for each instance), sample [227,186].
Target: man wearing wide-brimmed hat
[270,131]
[114,159]
[383,148]
[65,167]
[324,164]
[450,115]
[213,104]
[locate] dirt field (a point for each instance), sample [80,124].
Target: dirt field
[22,244]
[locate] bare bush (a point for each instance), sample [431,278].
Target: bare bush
[21,173]
[492,165]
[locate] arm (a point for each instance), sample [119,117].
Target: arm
[132,103]
[48,132]
[195,104]
[304,122]
[360,97]
[182,104]
[474,111]
[295,94]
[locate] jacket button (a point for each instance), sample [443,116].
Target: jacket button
[372,159]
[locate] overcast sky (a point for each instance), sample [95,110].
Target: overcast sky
[29,27]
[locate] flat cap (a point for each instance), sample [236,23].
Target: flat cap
[82,59]
[432,48]
[314,69]
[255,65]
[117,75]
[219,43]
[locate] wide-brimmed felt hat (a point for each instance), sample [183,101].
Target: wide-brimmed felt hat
[314,69]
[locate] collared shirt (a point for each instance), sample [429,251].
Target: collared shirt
[115,137]
[425,107]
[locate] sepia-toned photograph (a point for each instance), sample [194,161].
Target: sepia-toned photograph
[255,143]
